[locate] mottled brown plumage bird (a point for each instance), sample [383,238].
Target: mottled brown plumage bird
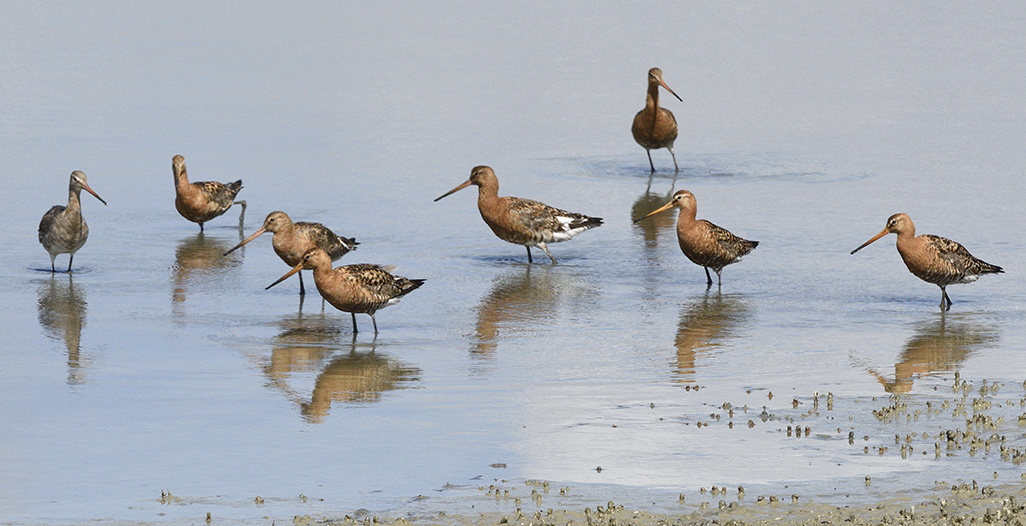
[702,242]
[363,287]
[523,221]
[934,259]
[655,127]
[63,230]
[292,240]
[200,202]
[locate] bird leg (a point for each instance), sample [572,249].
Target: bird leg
[355,330]
[708,278]
[302,290]
[546,249]
[649,152]
[529,260]
[242,216]
[52,268]
[719,278]
[375,322]
[675,168]
[945,303]
[70,259]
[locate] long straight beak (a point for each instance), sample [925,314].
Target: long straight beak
[90,190]
[878,236]
[667,206]
[663,84]
[287,275]
[247,240]
[454,190]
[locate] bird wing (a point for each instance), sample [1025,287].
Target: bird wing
[957,257]
[47,221]
[733,245]
[539,217]
[335,245]
[220,193]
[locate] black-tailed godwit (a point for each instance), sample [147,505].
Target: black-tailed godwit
[523,221]
[655,127]
[63,230]
[704,243]
[363,287]
[292,240]
[203,201]
[933,259]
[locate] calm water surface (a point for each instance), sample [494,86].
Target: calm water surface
[159,365]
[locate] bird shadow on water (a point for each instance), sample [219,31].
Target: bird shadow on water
[62,315]
[521,301]
[938,345]
[707,322]
[309,349]
[653,226]
[199,261]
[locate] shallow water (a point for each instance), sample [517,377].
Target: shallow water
[160,365]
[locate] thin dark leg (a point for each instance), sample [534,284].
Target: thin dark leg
[302,290]
[70,259]
[675,169]
[708,278]
[53,270]
[529,260]
[945,300]
[355,330]
[375,322]
[201,227]
[719,278]
[652,166]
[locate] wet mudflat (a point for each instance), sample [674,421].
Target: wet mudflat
[159,381]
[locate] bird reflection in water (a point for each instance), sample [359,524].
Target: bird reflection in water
[706,323]
[348,373]
[647,202]
[937,346]
[198,260]
[62,312]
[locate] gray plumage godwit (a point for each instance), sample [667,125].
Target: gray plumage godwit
[200,202]
[655,127]
[933,259]
[363,287]
[523,221]
[63,230]
[702,242]
[292,240]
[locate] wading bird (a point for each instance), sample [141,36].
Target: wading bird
[523,221]
[292,240]
[63,230]
[933,259]
[702,242]
[203,201]
[655,127]
[363,287]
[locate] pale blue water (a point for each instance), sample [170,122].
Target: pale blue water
[160,365]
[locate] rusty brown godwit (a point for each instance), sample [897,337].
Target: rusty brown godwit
[292,240]
[523,221]
[704,243]
[63,230]
[933,259]
[200,202]
[655,127]
[363,287]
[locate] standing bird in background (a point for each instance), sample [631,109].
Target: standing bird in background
[523,221]
[655,127]
[363,287]
[934,259]
[702,242]
[292,240]
[63,230]
[203,201]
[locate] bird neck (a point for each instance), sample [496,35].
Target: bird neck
[488,191]
[74,200]
[652,98]
[687,216]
